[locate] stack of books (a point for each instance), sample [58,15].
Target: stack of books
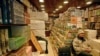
[16,42]
[17,12]
[4,46]
[19,36]
[11,12]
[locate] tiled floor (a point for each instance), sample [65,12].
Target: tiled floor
[51,52]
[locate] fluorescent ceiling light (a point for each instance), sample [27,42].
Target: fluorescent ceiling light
[57,9]
[42,9]
[42,5]
[54,11]
[41,1]
[60,6]
[65,2]
[78,7]
[89,2]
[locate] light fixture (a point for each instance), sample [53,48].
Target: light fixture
[78,7]
[65,2]
[54,11]
[89,2]
[57,9]
[42,5]
[60,6]
[42,9]
[41,1]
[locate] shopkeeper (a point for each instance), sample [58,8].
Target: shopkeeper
[81,45]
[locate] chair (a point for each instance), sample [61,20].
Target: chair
[72,50]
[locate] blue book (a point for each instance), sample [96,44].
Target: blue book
[9,10]
[4,11]
[0,14]
[16,11]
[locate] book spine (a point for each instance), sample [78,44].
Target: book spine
[16,42]
[9,11]
[4,12]
[0,15]
[0,43]
[12,43]
[7,40]
[18,13]
[3,41]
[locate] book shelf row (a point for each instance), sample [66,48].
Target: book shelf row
[93,25]
[4,45]
[65,27]
[94,18]
[14,29]
[12,38]
[12,12]
[15,33]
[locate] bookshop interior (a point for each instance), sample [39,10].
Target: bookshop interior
[49,27]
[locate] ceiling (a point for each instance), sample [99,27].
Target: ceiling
[51,5]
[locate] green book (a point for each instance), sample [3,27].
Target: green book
[16,42]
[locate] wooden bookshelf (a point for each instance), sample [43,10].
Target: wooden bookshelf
[14,17]
[94,18]
[35,42]
[13,24]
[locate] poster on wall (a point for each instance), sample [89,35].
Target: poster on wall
[73,20]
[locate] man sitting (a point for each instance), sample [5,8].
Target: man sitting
[80,45]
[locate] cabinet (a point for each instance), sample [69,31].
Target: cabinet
[94,18]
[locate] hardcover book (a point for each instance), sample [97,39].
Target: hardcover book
[3,41]
[4,11]
[0,15]
[16,42]
[0,43]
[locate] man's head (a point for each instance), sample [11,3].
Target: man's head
[81,33]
